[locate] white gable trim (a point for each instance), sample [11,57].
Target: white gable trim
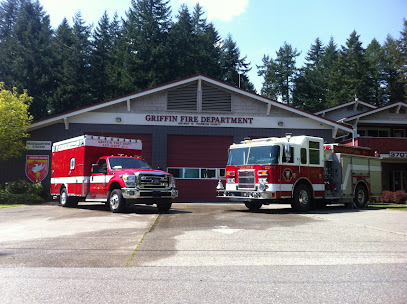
[65,116]
[354,102]
[384,108]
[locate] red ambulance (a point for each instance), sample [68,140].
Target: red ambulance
[110,170]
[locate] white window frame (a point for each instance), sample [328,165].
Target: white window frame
[218,174]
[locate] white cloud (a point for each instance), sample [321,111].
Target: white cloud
[223,10]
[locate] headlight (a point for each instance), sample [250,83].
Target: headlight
[230,181]
[263,180]
[172,181]
[129,180]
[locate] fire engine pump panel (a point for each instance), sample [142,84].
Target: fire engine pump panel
[109,170]
[300,170]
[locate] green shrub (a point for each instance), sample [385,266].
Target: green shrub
[21,192]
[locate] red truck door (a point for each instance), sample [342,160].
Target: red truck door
[98,179]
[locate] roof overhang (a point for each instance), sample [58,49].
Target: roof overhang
[337,128]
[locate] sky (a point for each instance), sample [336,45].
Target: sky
[260,27]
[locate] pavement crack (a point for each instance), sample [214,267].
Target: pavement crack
[141,241]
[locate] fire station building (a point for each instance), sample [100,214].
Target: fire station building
[186,128]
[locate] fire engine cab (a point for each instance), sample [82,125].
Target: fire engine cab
[300,170]
[110,170]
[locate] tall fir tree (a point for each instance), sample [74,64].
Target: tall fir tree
[393,88]
[402,60]
[182,42]
[310,85]
[234,67]
[71,72]
[350,79]
[375,58]
[279,74]
[25,55]
[145,35]
[102,59]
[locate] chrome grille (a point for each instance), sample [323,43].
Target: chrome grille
[153,180]
[246,179]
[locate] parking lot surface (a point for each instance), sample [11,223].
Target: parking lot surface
[202,253]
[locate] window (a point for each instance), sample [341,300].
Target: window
[303,156]
[208,173]
[314,153]
[399,133]
[285,159]
[374,132]
[191,173]
[198,173]
[101,166]
[254,155]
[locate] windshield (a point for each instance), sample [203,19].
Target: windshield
[127,163]
[254,155]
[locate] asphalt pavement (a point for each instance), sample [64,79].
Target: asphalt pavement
[202,253]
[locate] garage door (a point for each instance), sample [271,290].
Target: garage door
[197,162]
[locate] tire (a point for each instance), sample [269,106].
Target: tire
[361,196]
[164,207]
[116,201]
[67,201]
[302,199]
[253,206]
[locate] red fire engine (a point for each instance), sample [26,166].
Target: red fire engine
[110,170]
[300,170]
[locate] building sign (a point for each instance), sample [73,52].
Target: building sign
[398,154]
[36,167]
[38,145]
[199,120]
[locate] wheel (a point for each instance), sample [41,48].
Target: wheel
[67,201]
[253,206]
[361,196]
[164,206]
[302,198]
[116,201]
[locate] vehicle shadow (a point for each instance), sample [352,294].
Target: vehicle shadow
[324,210]
[138,209]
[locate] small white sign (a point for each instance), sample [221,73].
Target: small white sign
[38,145]
[398,154]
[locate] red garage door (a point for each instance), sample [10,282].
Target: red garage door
[197,162]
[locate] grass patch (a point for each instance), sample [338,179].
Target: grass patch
[392,207]
[11,205]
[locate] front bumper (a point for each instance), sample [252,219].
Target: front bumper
[246,195]
[135,193]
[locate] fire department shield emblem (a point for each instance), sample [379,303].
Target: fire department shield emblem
[36,167]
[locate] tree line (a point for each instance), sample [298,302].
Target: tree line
[332,75]
[75,66]
[78,65]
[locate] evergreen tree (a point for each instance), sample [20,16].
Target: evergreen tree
[279,74]
[71,72]
[375,58]
[311,84]
[234,68]
[182,43]
[208,45]
[102,60]
[351,76]
[25,34]
[393,88]
[145,36]
[402,60]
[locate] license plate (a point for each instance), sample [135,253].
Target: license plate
[156,194]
